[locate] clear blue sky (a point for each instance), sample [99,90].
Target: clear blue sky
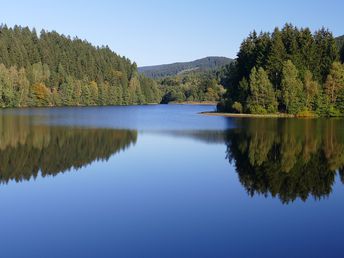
[155,32]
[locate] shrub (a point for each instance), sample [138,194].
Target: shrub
[237,107]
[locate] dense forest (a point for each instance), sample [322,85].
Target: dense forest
[286,158]
[27,150]
[191,87]
[200,65]
[290,71]
[50,69]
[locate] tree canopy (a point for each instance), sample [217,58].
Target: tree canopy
[50,69]
[302,72]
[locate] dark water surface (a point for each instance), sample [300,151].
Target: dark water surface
[164,181]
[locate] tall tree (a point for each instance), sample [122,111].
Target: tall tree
[292,89]
[262,97]
[311,89]
[335,81]
[276,57]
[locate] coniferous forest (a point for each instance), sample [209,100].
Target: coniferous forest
[290,70]
[50,69]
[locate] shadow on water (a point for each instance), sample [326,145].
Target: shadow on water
[27,150]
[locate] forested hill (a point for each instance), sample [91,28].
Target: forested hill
[204,64]
[49,69]
[340,41]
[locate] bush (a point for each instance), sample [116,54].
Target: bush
[257,109]
[333,112]
[306,113]
[237,107]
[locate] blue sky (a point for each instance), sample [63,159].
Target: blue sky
[155,32]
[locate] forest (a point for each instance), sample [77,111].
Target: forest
[49,69]
[191,87]
[290,70]
[200,65]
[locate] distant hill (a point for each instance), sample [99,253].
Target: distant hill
[204,64]
[340,41]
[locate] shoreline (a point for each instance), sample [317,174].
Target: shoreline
[208,103]
[214,113]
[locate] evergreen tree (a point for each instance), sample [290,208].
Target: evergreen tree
[276,57]
[342,54]
[326,52]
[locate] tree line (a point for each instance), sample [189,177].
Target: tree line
[291,70]
[50,69]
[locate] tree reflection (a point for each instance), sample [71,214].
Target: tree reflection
[287,158]
[27,150]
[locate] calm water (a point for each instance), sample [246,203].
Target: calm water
[163,181]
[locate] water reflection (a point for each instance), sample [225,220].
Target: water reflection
[287,158]
[27,149]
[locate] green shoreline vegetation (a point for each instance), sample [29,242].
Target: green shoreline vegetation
[290,71]
[55,70]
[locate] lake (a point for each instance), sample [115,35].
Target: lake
[165,181]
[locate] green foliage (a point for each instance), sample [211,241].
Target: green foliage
[311,90]
[335,81]
[200,65]
[52,70]
[302,73]
[262,97]
[342,54]
[191,87]
[291,89]
[237,107]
